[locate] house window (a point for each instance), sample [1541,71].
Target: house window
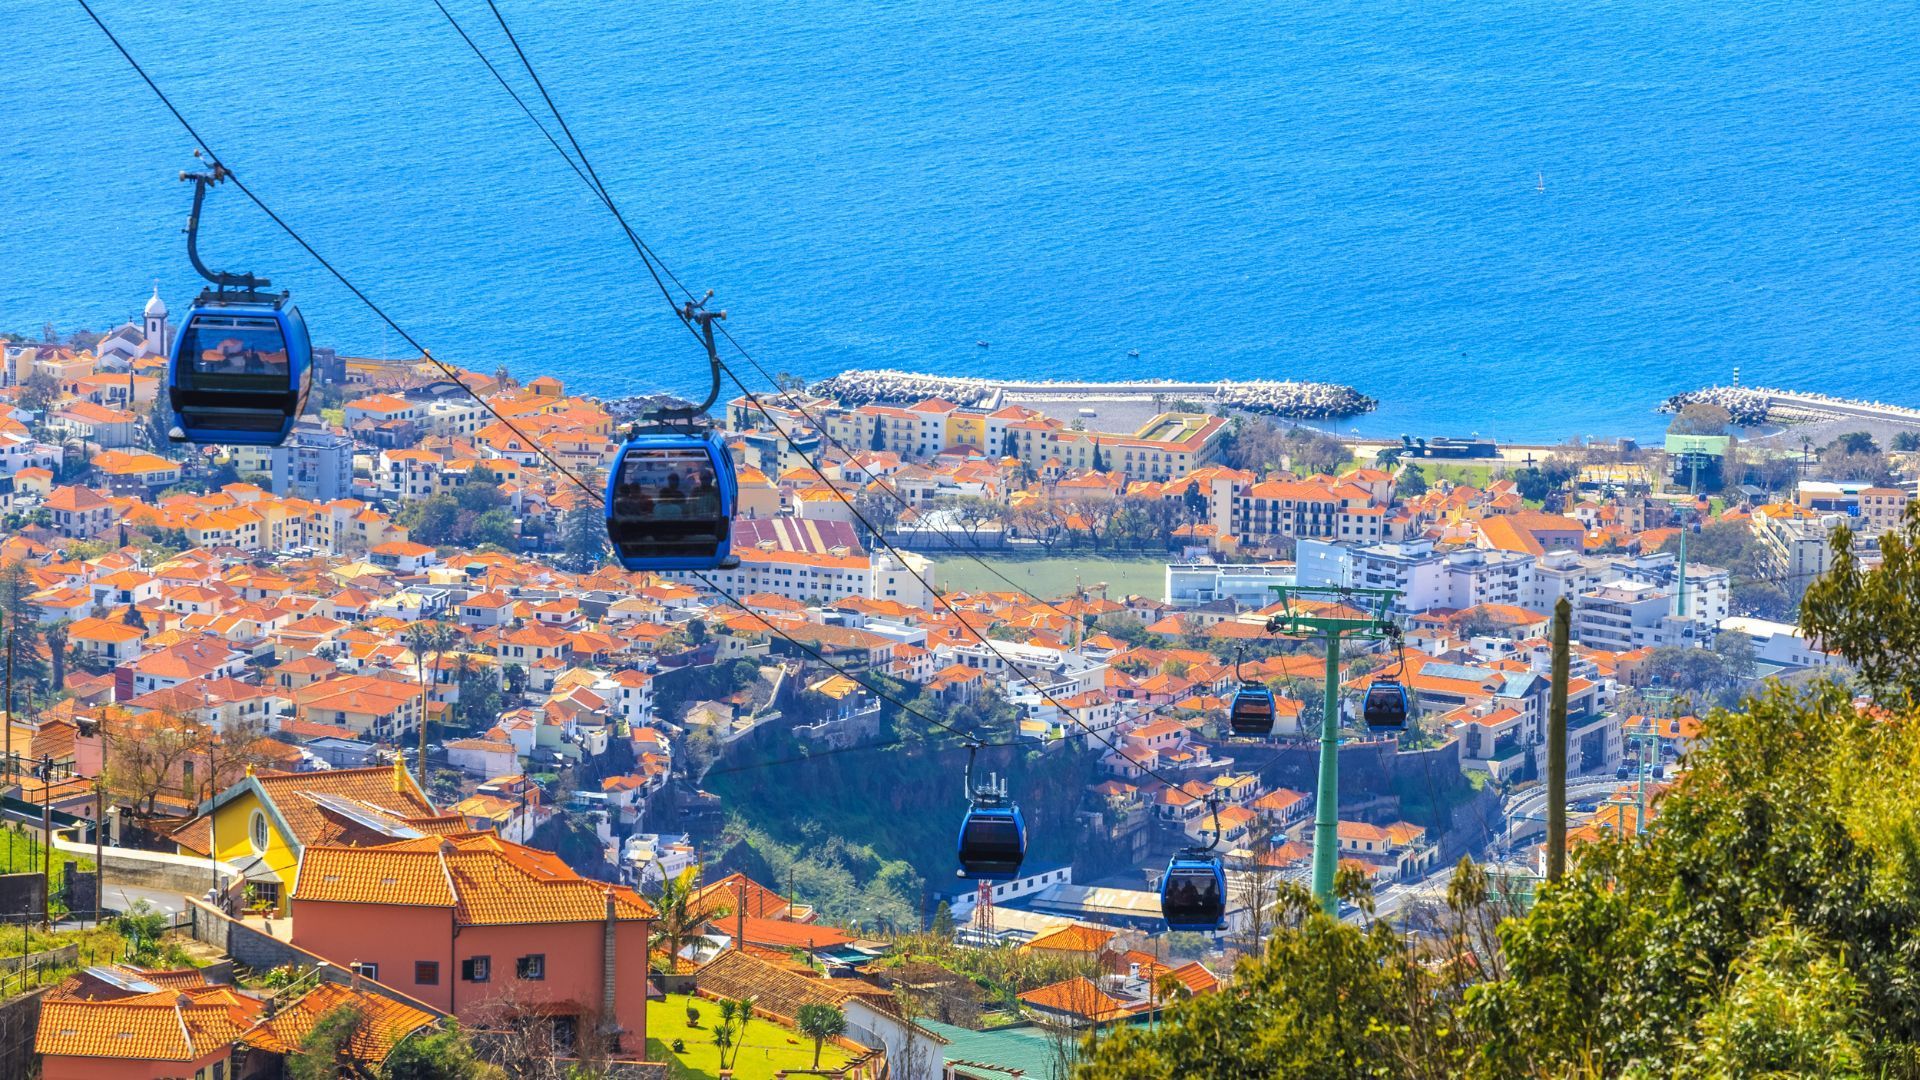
[426,973]
[476,968]
[365,971]
[257,832]
[565,1031]
[532,967]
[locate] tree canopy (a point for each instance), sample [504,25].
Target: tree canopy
[1766,923]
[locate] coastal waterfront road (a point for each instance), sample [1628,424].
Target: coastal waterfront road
[1527,813]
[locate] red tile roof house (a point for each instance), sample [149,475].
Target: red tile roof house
[475,925]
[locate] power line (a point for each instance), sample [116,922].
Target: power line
[649,259]
[979,635]
[818,655]
[449,372]
[657,266]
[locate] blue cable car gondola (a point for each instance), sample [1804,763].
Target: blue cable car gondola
[671,494]
[1385,707]
[993,836]
[670,500]
[1251,714]
[1193,892]
[242,365]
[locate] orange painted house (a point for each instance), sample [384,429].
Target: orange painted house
[474,924]
[152,1036]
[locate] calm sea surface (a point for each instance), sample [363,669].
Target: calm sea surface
[1347,191]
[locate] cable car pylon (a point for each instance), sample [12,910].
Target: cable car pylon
[1331,619]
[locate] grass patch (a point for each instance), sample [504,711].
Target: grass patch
[1051,577]
[22,852]
[768,1048]
[1474,475]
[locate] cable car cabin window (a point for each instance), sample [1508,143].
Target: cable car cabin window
[991,844]
[1192,897]
[667,496]
[236,352]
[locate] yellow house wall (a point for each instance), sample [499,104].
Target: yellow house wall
[966,430]
[232,841]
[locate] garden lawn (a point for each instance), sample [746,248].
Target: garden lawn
[768,1049]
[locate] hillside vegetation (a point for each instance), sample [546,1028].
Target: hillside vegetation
[867,834]
[1767,925]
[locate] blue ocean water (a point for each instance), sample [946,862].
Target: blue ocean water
[1336,191]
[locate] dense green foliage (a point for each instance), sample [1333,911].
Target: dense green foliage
[900,804]
[1768,924]
[474,514]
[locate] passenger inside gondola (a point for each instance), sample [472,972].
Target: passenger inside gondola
[654,505]
[224,346]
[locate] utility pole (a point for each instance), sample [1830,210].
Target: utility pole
[9,648]
[99,841]
[1335,616]
[1557,745]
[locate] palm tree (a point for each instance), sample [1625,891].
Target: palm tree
[677,920]
[820,1023]
[429,638]
[56,636]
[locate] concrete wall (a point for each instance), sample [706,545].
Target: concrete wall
[19,1018]
[22,895]
[188,875]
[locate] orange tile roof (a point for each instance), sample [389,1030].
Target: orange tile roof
[1074,939]
[383,1023]
[485,880]
[380,788]
[1078,996]
[168,1025]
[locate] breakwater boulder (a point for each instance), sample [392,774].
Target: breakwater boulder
[1297,400]
[624,409]
[903,387]
[1748,405]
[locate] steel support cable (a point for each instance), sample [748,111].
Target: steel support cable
[656,265]
[980,636]
[451,374]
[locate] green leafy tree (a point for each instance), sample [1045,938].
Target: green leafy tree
[439,1054]
[1848,611]
[820,1023]
[20,627]
[38,390]
[326,1050]
[1327,999]
[1701,418]
[1412,482]
[1793,1009]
